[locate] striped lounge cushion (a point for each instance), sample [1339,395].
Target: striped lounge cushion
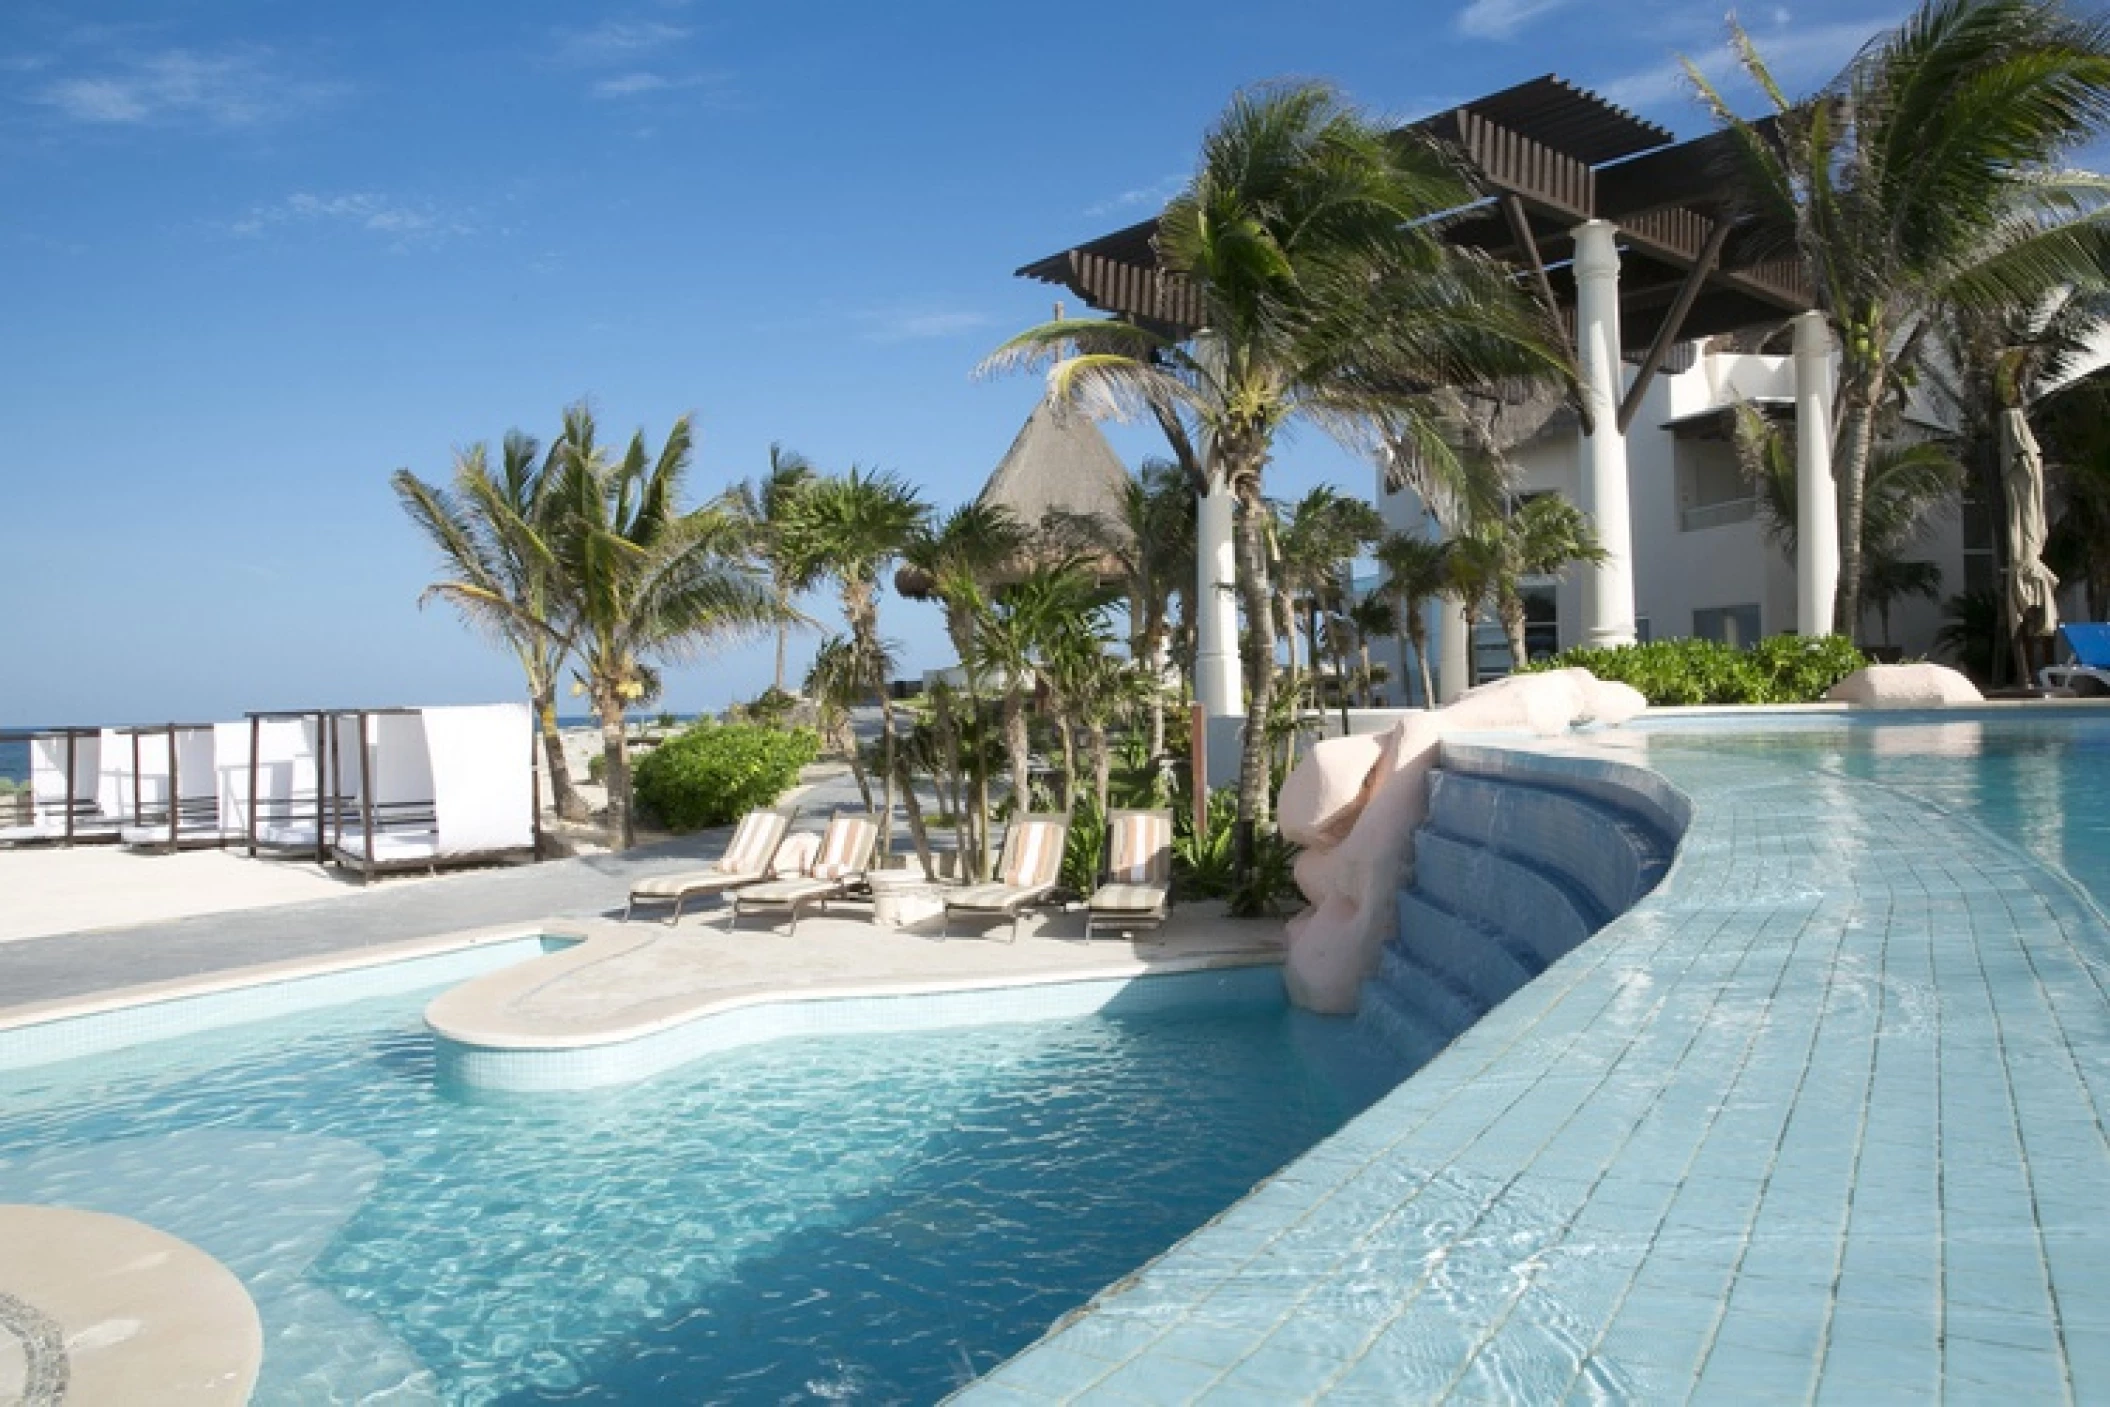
[1033,854]
[844,848]
[1141,849]
[750,848]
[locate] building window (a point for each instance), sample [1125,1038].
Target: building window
[1712,490]
[1728,625]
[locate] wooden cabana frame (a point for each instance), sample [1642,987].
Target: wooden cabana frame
[185,817]
[74,825]
[327,800]
[423,817]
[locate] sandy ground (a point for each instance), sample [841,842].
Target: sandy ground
[55,890]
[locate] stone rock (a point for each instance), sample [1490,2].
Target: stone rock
[1904,686]
[1321,796]
[1359,847]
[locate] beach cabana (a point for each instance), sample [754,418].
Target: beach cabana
[288,804]
[64,777]
[425,787]
[175,785]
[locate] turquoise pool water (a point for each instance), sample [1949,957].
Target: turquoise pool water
[2036,782]
[867,1219]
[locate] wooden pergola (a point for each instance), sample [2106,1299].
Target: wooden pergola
[1636,242]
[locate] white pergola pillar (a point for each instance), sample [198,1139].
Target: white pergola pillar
[1454,650]
[1816,494]
[1607,586]
[1219,683]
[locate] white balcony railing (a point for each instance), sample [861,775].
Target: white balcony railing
[1717,515]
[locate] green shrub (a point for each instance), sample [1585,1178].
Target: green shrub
[597,768]
[1780,669]
[1204,866]
[713,774]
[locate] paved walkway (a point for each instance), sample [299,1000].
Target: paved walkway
[389,911]
[1821,1120]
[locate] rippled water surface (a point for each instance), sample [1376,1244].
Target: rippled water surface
[2042,783]
[867,1219]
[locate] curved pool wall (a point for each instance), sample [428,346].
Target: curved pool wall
[1521,859]
[1822,1118]
[551,1069]
[65,1030]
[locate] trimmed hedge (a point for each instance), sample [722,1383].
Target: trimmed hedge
[1780,669]
[713,774]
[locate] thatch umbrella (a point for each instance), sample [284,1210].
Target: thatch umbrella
[1059,469]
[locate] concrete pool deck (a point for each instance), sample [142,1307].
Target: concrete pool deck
[1822,1119]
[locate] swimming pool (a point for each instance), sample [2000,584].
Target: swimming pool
[2039,782]
[852,1218]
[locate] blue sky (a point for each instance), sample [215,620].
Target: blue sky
[254,256]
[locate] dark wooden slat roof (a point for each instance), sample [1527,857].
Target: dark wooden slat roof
[1556,114]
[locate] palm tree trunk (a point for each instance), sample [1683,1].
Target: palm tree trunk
[1155,661]
[1419,634]
[913,806]
[1020,746]
[563,792]
[1511,608]
[886,760]
[1253,770]
[1859,418]
[846,739]
[1102,767]
[615,748]
[1366,686]
[1069,759]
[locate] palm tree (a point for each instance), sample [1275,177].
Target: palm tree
[1472,569]
[1926,176]
[492,532]
[1417,571]
[1325,291]
[837,681]
[641,578]
[766,506]
[1907,484]
[1371,616]
[1152,543]
[851,528]
[1025,622]
[1540,538]
[1314,541]
[960,556]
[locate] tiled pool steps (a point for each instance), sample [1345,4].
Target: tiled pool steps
[1509,876]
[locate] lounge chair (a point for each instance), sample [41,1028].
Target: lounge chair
[1025,873]
[1136,889]
[2091,655]
[747,860]
[839,866]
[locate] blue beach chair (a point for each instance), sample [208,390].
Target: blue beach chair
[2090,671]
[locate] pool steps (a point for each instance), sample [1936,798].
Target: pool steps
[1509,876]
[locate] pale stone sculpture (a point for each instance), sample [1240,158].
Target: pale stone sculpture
[1353,803]
[1904,686]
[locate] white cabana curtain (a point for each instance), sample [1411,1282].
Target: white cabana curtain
[230,766]
[482,777]
[52,792]
[113,775]
[285,780]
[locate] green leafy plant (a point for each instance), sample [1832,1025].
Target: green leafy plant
[1205,863]
[713,774]
[1684,673]
[1086,848]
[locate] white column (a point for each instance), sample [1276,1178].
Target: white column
[1607,586]
[1816,495]
[1218,683]
[1454,650]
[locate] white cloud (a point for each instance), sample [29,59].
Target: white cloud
[1800,60]
[402,224]
[1144,199]
[233,88]
[617,41]
[919,324]
[630,85]
[1501,19]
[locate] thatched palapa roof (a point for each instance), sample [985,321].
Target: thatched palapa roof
[1059,466]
